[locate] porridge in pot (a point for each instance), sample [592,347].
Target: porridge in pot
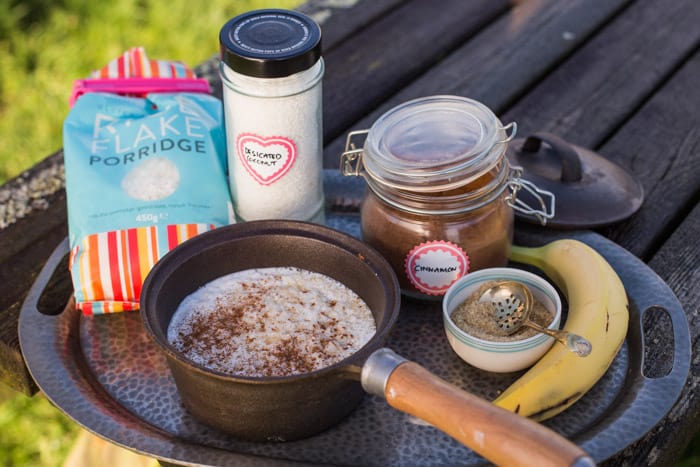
[271,322]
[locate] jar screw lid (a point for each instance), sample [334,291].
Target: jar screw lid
[270,43]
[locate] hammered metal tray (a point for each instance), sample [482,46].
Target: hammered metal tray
[105,374]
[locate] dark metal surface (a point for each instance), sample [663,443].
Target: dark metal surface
[105,374]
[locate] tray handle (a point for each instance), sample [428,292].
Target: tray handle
[681,347]
[47,294]
[651,401]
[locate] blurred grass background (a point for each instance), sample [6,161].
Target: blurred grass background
[44,46]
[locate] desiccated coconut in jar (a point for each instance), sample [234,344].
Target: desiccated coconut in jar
[272,70]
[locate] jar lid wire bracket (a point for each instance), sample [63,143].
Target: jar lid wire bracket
[351,158]
[544,198]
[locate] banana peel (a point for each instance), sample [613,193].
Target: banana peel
[598,311]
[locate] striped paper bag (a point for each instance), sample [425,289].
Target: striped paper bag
[144,173]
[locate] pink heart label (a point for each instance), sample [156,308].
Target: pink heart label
[266,159]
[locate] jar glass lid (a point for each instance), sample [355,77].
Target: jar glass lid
[434,142]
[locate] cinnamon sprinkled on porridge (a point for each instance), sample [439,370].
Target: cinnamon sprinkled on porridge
[271,322]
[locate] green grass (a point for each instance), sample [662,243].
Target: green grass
[32,431]
[44,46]
[691,457]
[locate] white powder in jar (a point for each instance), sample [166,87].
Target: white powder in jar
[274,137]
[271,322]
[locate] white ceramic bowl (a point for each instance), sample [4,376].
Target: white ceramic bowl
[499,357]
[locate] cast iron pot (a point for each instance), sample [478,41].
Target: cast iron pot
[293,407]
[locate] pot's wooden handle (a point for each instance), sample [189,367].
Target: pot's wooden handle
[497,434]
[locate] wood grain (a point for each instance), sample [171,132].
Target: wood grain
[497,434]
[660,145]
[601,85]
[504,60]
[26,244]
[341,20]
[359,74]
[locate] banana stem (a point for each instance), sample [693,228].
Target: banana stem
[527,255]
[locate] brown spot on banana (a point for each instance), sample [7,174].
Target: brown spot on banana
[562,403]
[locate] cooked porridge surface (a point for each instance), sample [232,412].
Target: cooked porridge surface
[271,322]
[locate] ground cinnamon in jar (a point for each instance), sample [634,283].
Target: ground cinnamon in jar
[481,238]
[441,192]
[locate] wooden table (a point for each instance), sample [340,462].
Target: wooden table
[617,76]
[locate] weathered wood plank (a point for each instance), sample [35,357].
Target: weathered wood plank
[341,19]
[504,60]
[603,87]
[667,127]
[412,37]
[25,202]
[595,90]
[34,222]
[15,283]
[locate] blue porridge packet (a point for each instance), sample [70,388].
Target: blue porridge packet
[142,176]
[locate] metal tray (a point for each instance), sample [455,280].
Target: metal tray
[105,374]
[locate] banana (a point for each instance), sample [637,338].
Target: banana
[598,310]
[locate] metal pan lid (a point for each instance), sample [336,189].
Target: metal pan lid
[590,190]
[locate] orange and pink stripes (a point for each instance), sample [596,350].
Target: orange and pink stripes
[135,64]
[109,268]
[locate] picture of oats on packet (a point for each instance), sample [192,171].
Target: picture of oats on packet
[143,174]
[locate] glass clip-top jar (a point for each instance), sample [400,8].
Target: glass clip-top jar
[441,193]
